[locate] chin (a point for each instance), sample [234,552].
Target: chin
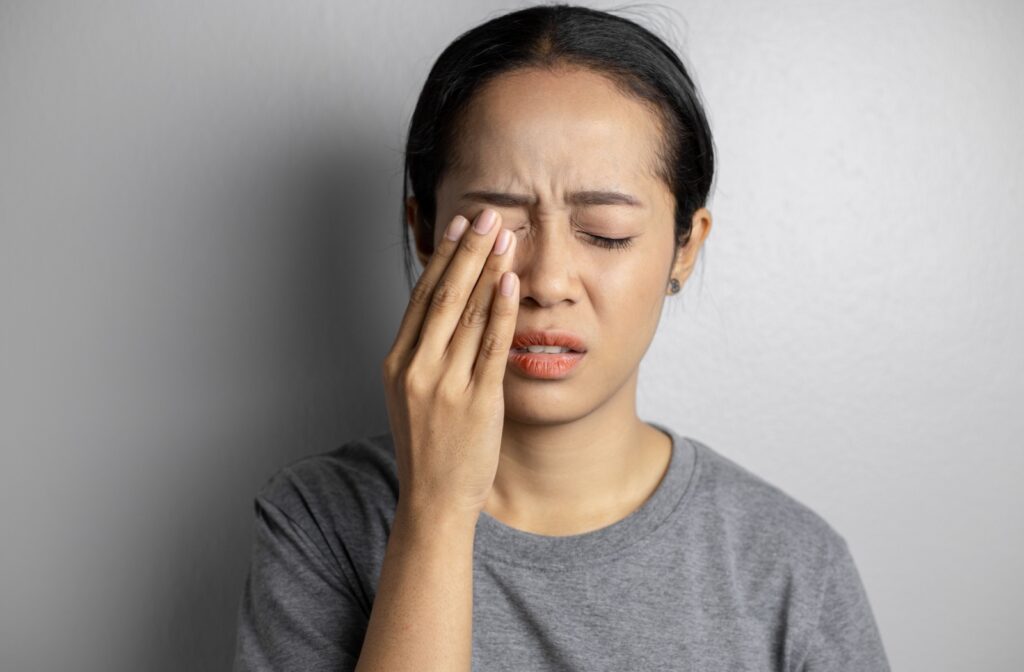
[530,409]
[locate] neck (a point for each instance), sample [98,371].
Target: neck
[573,476]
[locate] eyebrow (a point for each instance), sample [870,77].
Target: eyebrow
[590,197]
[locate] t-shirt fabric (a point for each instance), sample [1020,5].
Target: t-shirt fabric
[717,570]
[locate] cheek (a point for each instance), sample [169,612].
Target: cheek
[632,281]
[627,302]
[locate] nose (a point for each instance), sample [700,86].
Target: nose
[545,265]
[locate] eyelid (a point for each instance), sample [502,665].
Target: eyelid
[600,241]
[612,243]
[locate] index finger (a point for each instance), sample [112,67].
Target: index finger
[419,299]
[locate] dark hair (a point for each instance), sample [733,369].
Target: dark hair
[640,63]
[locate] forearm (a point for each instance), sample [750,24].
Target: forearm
[422,616]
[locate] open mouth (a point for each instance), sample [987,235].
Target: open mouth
[545,349]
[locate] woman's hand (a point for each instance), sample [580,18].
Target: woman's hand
[443,375]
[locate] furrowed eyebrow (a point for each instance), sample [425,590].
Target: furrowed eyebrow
[584,198]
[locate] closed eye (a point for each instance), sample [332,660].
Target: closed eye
[611,243]
[607,243]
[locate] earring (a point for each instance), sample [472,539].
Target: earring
[673,286]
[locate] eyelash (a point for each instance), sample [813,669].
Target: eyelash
[612,243]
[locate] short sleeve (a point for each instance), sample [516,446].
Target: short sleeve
[297,611]
[846,638]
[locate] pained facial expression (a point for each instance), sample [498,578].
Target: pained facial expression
[545,135]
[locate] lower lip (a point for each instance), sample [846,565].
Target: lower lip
[548,366]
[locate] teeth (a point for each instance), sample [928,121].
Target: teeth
[551,349]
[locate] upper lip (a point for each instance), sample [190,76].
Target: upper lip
[549,337]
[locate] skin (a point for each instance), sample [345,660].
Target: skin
[574,454]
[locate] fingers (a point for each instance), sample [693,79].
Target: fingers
[419,300]
[492,355]
[456,284]
[440,294]
[461,356]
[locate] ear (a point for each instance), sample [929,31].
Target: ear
[424,241]
[686,256]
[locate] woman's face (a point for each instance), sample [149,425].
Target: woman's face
[543,136]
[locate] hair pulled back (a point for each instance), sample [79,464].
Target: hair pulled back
[550,36]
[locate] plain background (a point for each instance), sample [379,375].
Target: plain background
[200,271]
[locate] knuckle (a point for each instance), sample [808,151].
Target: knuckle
[389,367]
[421,293]
[450,390]
[505,309]
[443,251]
[475,244]
[475,315]
[415,383]
[445,294]
[493,344]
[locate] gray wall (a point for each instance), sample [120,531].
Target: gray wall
[200,270]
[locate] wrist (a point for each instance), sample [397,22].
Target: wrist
[415,518]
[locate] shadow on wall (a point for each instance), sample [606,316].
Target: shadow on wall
[294,311]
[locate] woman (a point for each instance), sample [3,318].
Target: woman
[519,515]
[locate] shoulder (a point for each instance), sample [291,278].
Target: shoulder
[351,486]
[780,552]
[759,519]
[361,466]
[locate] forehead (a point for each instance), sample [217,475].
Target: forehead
[570,124]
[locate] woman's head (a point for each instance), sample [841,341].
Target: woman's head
[546,37]
[533,107]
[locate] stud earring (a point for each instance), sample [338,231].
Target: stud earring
[673,286]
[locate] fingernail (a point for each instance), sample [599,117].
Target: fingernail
[504,238]
[485,221]
[456,228]
[508,283]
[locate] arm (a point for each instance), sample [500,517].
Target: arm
[299,610]
[422,614]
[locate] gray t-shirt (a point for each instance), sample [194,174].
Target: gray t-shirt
[717,570]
